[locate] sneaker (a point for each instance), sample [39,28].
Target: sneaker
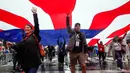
[13,71]
[119,69]
[123,70]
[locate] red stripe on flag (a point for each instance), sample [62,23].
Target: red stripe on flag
[59,21]
[13,19]
[103,20]
[107,43]
[1,30]
[120,32]
[93,42]
[57,9]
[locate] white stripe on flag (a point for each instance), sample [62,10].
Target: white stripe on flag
[6,26]
[117,24]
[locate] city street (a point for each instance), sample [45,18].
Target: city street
[93,66]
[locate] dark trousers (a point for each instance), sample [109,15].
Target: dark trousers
[118,56]
[61,58]
[15,61]
[31,70]
[17,64]
[50,56]
[101,55]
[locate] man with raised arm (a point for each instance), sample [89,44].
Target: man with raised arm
[76,46]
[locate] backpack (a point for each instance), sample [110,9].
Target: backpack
[71,42]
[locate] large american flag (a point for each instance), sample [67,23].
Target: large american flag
[100,19]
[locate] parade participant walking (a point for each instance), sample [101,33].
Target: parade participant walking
[61,52]
[76,46]
[101,50]
[50,53]
[29,47]
[128,48]
[118,52]
[123,47]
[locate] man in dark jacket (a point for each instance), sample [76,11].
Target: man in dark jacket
[76,46]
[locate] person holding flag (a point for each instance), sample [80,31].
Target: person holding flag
[30,58]
[101,50]
[76,46]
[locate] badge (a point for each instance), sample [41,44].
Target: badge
[77,43]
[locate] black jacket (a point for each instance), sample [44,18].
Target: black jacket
[29,49]
[73,34]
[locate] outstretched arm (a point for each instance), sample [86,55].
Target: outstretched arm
[124,35]
[97,42]
[36,24]
[17,47]
[69,29]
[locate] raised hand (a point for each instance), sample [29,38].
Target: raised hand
[69,15]
[34,10]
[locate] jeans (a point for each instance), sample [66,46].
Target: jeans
[31,70]
[118,56]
